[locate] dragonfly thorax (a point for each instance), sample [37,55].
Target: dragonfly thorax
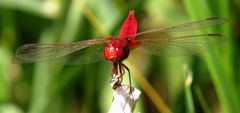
[117,50]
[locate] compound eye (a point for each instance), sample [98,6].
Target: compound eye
[110,53]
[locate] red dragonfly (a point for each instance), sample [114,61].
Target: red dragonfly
[116,49]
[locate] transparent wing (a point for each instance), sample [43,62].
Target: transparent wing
[86,55]
[181,46]
[187,26]
[64,53]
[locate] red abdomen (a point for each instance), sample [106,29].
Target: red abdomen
[129,27]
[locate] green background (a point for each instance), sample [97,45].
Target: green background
[46,87]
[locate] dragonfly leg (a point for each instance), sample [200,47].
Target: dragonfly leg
[129,76]
[115,78]
[121,69]
[114,70]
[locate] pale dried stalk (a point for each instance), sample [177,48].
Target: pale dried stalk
[123,101]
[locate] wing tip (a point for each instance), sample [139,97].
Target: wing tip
[222,39]
[221,19]
[215,35]
[16,60]
[13,60]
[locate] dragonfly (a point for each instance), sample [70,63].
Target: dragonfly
[117,48]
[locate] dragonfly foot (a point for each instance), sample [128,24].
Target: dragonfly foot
[115,82]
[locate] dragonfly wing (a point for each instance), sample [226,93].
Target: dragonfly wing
[86,55]
[44,52]
[200,24]
[181,46]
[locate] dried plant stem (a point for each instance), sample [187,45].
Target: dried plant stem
[92,18]
[149,90]
[123,100]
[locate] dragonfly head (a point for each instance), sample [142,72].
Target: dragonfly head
[113,53]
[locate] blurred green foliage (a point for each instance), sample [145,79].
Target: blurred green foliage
[52,88]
